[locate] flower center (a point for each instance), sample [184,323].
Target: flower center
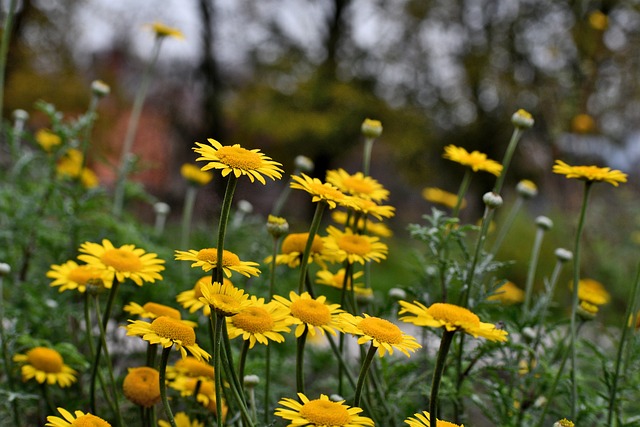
[325,413]
[354,244]
[82,274]
[311,311]
[121,260]
[253,319]
[381,330]
[89,420]
[296,242]
[174,329]
[453,314]
[45,359]
[162,310]
[195,368]
[358,185]
[238,157]
[211,255]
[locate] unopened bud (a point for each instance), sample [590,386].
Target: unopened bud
[371,128]
[303,164]
[544,223]
[527,189]
[251,380]
[397,293]
[100,88]
[5,269]
[492,200]
[522,119]
[563,255]
[277,226]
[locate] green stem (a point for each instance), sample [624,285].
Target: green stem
[267,384]
[366,156]
[462,191]
[222,226]
[236,386]
[445,343]
[486,221]
[531,272]
[47,398]
[504,229]
[243,358]
[549,295]
[628,324]
[313,230]
[4,48]
[363,373]
[511,148]
[187,215]
[132,128]
[217,365]
[300,361]
[574,300]
[163,386]
[6,359]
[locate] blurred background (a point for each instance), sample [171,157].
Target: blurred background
[294,77]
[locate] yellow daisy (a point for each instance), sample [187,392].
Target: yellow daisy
[77,419]
[293,247]
[208,258]
[168,332]
[452,318]
[320,412]
[194,175]
[424,420]
[237,160]
[345,245]
[326,277]
[383,334]
[71,166]
[377,228]
[71,276]
[190,299]
[476,160]
[142,386]
[125,262]
[507,294]
[162,31]
[225,299]
[152,310]
[592,292]
[205,389]
[442,197]
[309,313]
[47,139]
[321,191]
[369,207]
[190,367]
[260,322]
[182,420]
[358,185]
[45,365]
[590,173]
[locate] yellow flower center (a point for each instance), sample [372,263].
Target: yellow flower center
[82,274]
[296,242]
[239,158]
[211,255]
[381,330]
[325,413]
[45,359]
[174,329]
[89,420]
[453,314]
[224,302]
[162,310]
[142,386]
[121,260]
[354,244]
[253,319]
[195,368]
[358,185]
[311,311]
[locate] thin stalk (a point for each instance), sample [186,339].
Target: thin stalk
[486,221]
[300,361]
[47,398]
[366,155]
[132,128]
[574,300]
[4,47]
[628,324]
[163,386]
[6,359]
[508,222]
[445,343]
[506,160]
[531,272]
[217,363]
[222,226]
[364,370]
[462,191]
[267,382]
[187,215]
[555,274]
[243,358]
[236,386]
[313,230]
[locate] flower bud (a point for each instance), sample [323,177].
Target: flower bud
[5,269]
[544,223]
[161,208]
[527,189]
[245,206]
[336,398]
[277,226]
[563,255]
[100,88]
[522,119]
[251,380]
[492,200]
[371,128]
[563,423]
[303,164]
[397,293]
[20,115]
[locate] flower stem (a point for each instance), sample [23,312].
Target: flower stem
[163,386]
[222,226]
[574,300]
[506,226]
[187,215]
[363,373]
[6,359]
[217,364]
[243,358]
[4,47]
[300,361]
[462,191]
[445,343]
[313,230]
[628,323]
[366,155]
[531,272]
[506,160]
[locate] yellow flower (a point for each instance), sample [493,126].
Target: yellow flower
[194,175]
[191,299]
[424,420]
[71,166]
[225,299]
[125,262]
[476,160]
[320,191]
[71,276]
[325,277]
[162,30]
[592,292]
[182,420]
[320,412]
[208,258]
[168,332]
[590,173]
[292,249]
[45,365]
[452,318]
[383,334]
[260,322]
[563,423]
[442,197]
[371,128]
[377,228]
[47,139]
[583,123]
[369,207]
[142,386]
[345,245]
[190,367]
[237,160]
[507,293]
[152,310]
[358,185]
[598,20]
[205,389]
[77,419]
[309,313]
